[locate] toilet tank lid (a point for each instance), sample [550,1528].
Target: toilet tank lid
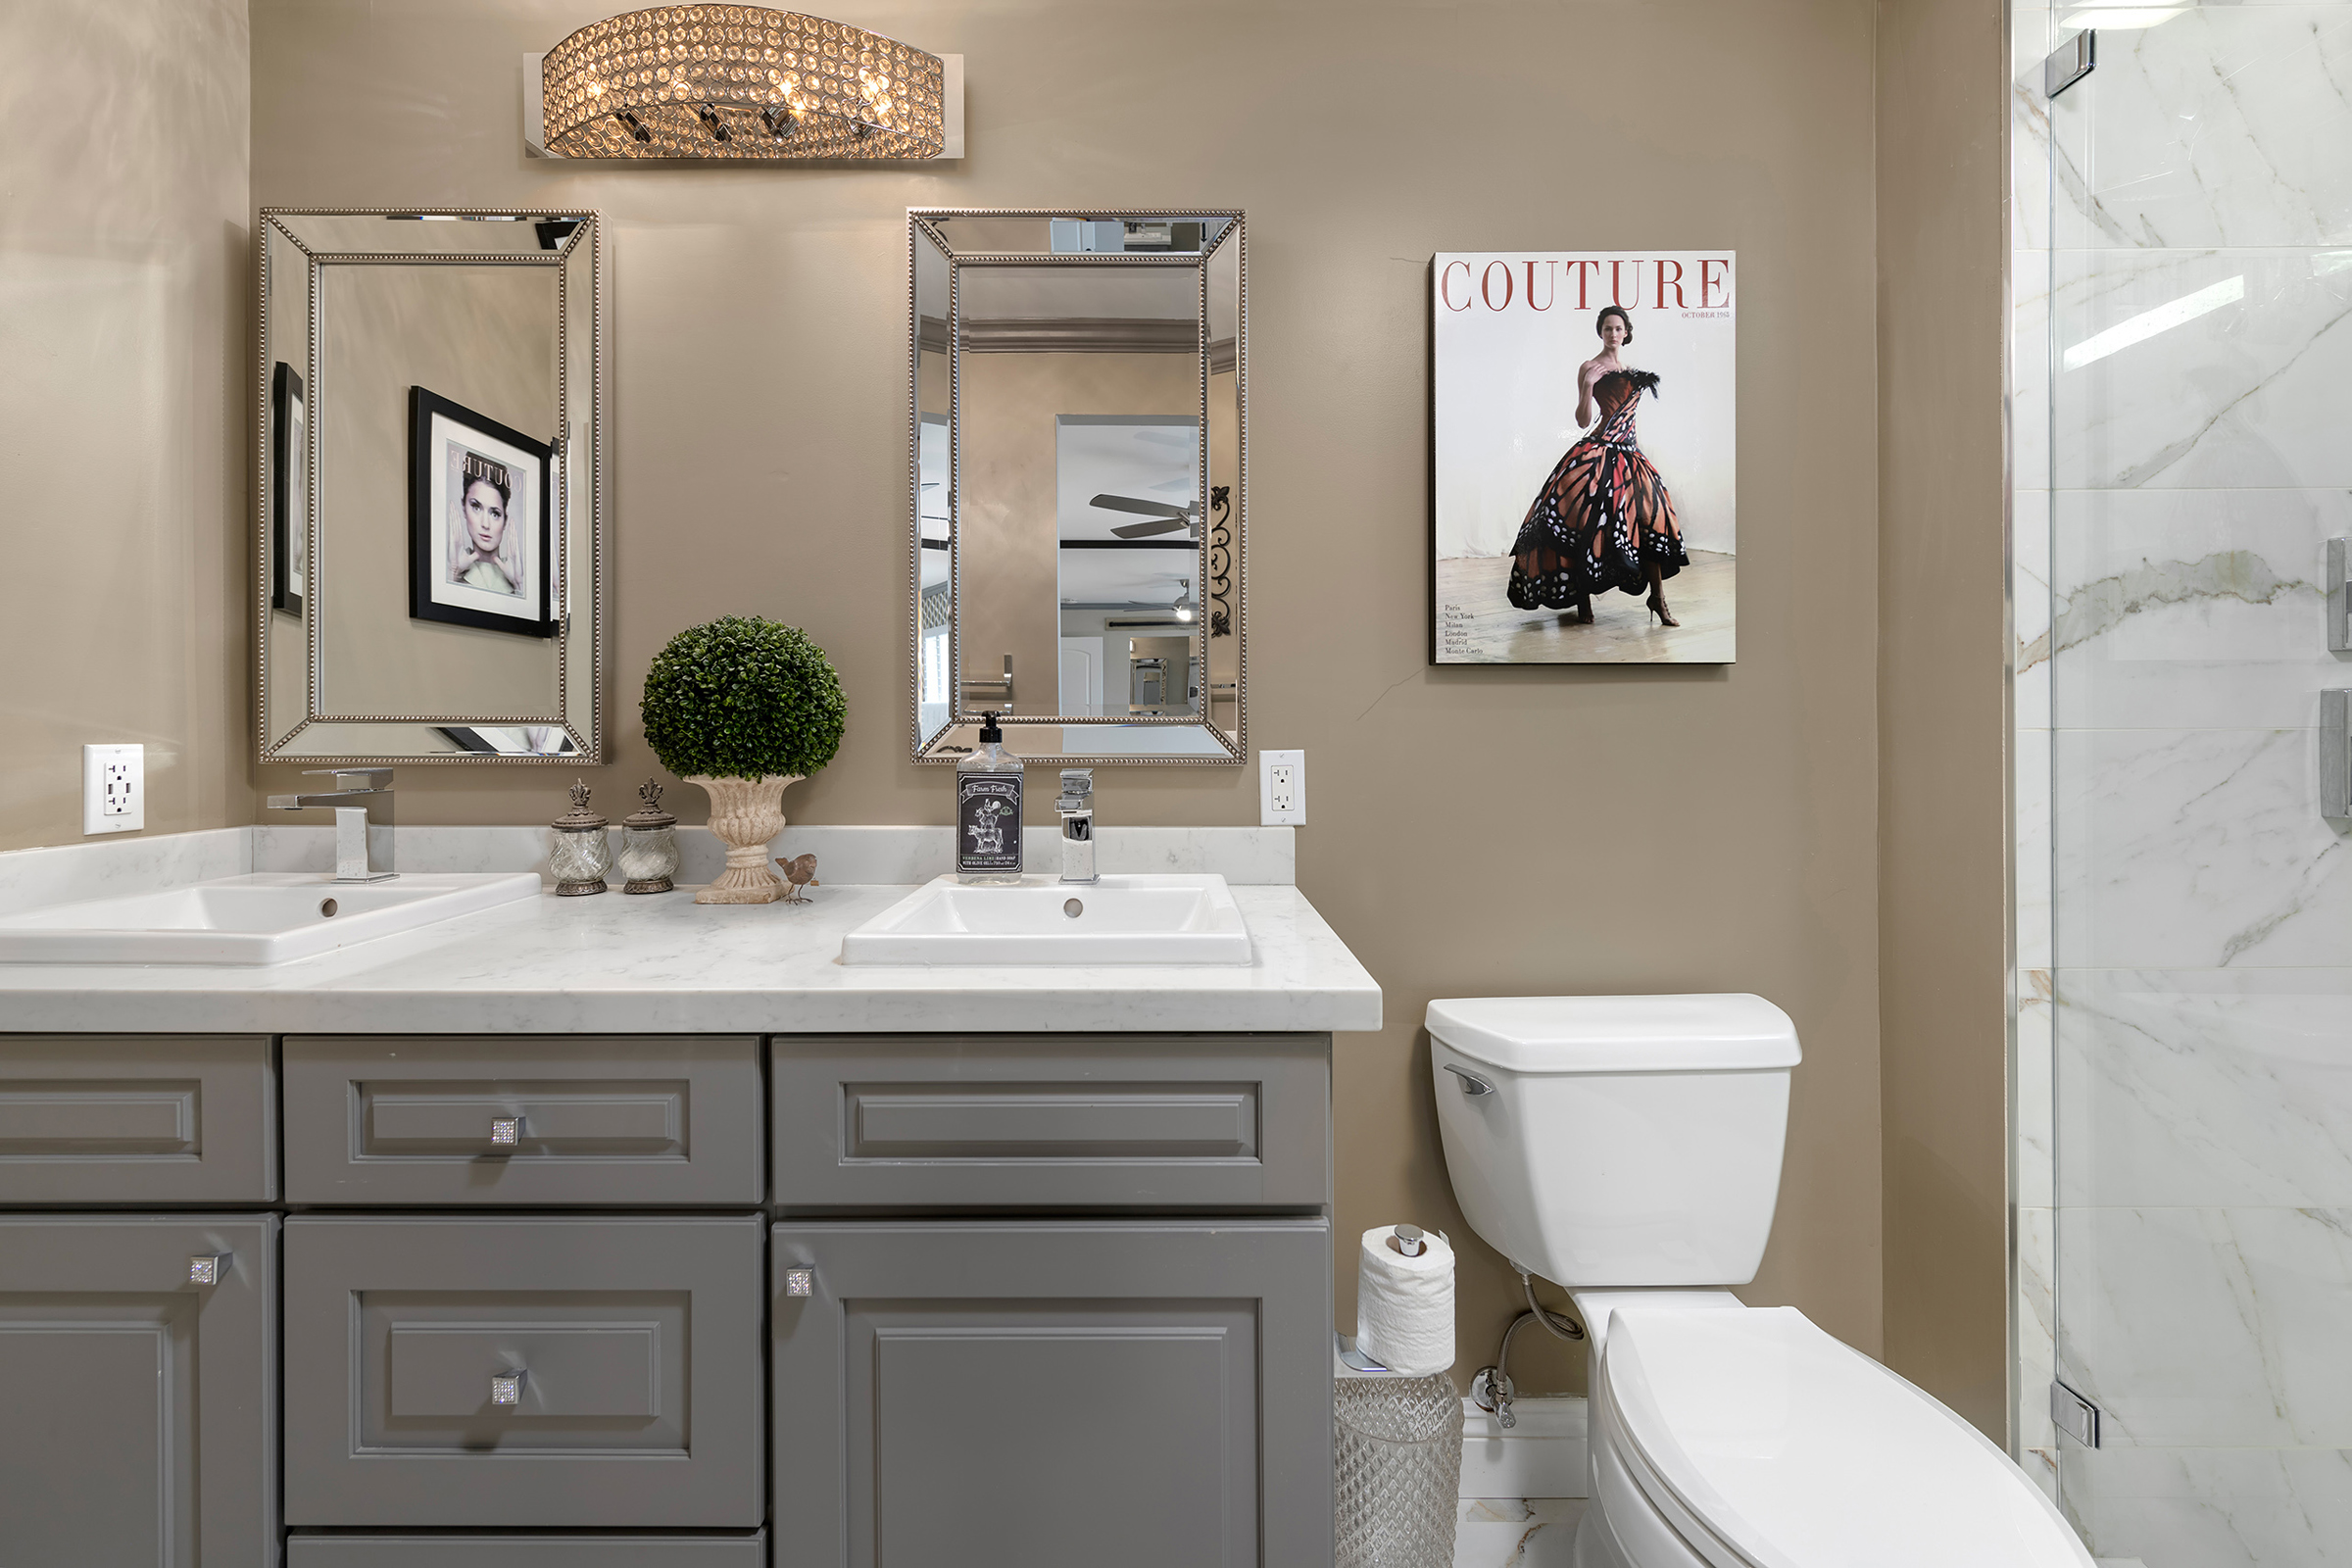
[1731,1031]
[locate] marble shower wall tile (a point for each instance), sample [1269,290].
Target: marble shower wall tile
[2029,606]
[2029,40]
[2193,607]
[2216,1087]
[2032,1126]
[2030,780]
[2030,369]
[1516,1533]
[2196,848]
[2214,1507]
[2223,126]
[2233,374]
[2208,1327]
[2036,1341]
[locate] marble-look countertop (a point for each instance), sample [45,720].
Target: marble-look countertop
[664,963]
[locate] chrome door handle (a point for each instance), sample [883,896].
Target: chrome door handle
[506,1387]
[1472,1084]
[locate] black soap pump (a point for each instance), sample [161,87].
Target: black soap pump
[988,812]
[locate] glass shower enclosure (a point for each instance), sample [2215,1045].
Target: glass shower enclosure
[2182,450]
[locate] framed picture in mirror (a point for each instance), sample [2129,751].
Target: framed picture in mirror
[477,520]
[289,533]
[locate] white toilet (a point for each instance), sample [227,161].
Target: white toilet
[1629,1148]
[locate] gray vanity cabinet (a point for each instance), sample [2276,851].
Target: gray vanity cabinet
[1040,1394]
[467,1370]
[748,1550]
[1128,1122]
[425,1120]
[136,1119]
[140,1404]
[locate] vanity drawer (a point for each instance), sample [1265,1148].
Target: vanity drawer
[435,1119]
[527,1551]
[1052,1121]
[637,1343]
[136,1119]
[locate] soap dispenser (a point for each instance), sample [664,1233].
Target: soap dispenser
[988,812]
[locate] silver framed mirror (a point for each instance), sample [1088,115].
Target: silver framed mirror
[429,486]
[1078,498]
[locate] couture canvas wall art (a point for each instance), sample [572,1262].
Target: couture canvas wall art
[1584,452]
[478,533]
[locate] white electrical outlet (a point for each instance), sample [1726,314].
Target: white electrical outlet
[1280,788]
[114,789]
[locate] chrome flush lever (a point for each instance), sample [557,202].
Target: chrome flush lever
[1472,1084]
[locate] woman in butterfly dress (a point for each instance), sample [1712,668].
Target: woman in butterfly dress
[1603,519]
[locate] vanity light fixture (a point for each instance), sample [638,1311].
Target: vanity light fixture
[1185,608]
[740,82]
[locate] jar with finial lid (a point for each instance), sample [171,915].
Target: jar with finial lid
[648,844]
[580,853]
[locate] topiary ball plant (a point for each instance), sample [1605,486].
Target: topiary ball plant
[742,697]
[743,706]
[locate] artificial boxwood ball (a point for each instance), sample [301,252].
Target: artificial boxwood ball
[743,697]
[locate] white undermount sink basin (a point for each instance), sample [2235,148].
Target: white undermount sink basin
[266,917]
[1117,921]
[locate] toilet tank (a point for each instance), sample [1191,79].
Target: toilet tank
[1616,1141]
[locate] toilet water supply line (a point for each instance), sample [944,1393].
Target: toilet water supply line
[1491,1390]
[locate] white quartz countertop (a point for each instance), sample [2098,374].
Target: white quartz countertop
[627,964]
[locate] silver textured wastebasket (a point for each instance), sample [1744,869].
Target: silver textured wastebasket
[1398,1446]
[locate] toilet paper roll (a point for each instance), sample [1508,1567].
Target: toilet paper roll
[1404,1306]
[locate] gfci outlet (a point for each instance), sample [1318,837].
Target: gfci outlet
[1282,788]
[114,789]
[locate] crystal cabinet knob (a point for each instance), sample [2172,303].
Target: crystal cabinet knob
[800,1282]
[506,1387]
[208,1268]
[507,1130]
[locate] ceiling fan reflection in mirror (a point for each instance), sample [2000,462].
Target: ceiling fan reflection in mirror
[1165,517]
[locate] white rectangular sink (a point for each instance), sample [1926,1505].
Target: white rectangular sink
[1117,921]
[266,917]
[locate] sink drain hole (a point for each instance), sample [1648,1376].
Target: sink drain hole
[1073,908]
[327,908]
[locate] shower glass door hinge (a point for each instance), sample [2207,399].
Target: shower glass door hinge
[2074,1415]
[2068,63]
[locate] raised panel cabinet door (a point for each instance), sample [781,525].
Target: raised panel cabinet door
[614,1121]
[1000,1394]
[137,1120]
[1185,1123]
[527,1551]
[139,1404]
[563,1371]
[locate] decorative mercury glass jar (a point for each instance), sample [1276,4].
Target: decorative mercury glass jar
[580,855]
[648,844]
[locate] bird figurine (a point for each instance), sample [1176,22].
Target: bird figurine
[799,872]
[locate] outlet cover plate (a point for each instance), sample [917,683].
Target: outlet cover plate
[114,789]
[1282,789]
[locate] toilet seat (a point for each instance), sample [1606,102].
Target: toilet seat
[1753,1439]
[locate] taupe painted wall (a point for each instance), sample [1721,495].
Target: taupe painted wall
[1944,721]
[124,407]
[1472,831]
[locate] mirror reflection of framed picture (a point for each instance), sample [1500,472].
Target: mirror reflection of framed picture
[516,740]
[478,521]
[289,534]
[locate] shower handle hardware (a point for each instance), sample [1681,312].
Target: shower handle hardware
[506,1131]
[208,1268]
[2339,595]
[506,1387]
[2073,1415]
[2070,63]
[2335,755]
[1472,1084]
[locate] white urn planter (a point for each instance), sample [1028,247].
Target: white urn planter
[746,813]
